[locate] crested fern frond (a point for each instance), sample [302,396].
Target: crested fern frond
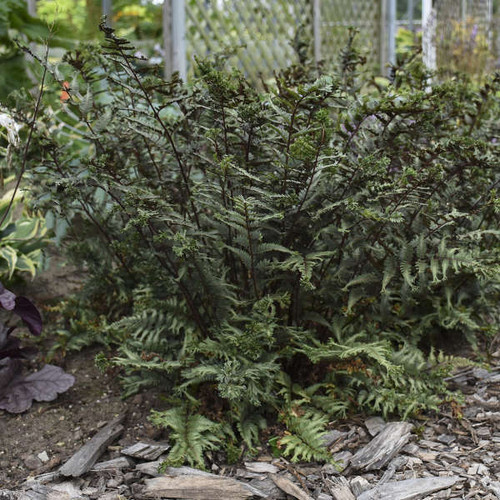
[192,435]
[303,439]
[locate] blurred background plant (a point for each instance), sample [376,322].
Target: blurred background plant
[466,50]
[23,234]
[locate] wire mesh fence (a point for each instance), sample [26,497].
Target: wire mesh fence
[260,36]
[366,16]
[269,34]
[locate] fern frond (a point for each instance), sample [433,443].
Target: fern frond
[192,435]
[304,438]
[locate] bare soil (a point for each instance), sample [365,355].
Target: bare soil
[60,427]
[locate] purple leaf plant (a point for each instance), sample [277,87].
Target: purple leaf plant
[18,391]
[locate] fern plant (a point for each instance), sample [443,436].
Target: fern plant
[278,255]
[192,434]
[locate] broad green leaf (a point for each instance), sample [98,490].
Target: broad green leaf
[26,229]
[10,255]
[24,263]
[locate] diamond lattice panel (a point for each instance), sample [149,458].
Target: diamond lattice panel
[338,15]
[262,30]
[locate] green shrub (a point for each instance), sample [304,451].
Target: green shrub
[278,256]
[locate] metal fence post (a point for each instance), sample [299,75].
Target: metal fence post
[428,34]
[167,40]
[410,15]
[179,38]
[32,8]
[383,36]
[107,10]
[316,10]
[391,32]
[174,38]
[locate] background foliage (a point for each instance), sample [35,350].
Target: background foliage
[279,256]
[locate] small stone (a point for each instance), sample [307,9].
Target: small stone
[324,496]
[77,435]
[31,462]
[114,482]
[374,425]
[481,373]
[131,477]
[43,456]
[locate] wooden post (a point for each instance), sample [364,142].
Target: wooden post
[316,11]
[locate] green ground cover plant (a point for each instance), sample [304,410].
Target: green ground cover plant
[271,257]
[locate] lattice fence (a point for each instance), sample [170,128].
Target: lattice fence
[262,36]
[263,30]
[364,15]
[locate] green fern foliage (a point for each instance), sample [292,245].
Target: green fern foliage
[192,434]
[277,257]
[304,439]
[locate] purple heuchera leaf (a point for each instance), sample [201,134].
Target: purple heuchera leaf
[30,315]
[8,369]
[43,385]
[7,298]
[23,307]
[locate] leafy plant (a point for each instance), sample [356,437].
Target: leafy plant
[17,391]
[23,234]
[192,434]
[285,255]
[466,48]
[15,24]
[22,239]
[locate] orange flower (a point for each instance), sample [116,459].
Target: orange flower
[64,92]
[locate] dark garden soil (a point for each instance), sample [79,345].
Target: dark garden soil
[60,427]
